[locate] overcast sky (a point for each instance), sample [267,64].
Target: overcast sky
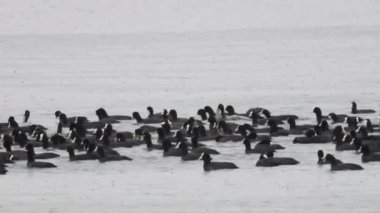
[125,16]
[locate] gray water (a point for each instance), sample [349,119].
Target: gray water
[284,70]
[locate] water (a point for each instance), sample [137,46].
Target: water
[284,70]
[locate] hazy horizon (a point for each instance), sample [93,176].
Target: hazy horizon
[132,16]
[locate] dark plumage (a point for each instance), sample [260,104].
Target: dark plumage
[368,156]
[313,139]
[137,117]
[103,115]
[151,113]
[208,165]
[263,147]
[26,116]
[104,158]
[275,130]
[268,115]
[3,171]
[322,160]
[343,142]
[336,166]
[318,113]
[297,129]
[337,118]
[186,156]
[271,161]
[149,145]
[36,164]
[170,150]
[355,110]
[80,157]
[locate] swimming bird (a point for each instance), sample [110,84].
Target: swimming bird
[12,123]
[337,118]
[208,165]
[202,135]
[318,113]
[258,150]
[36,164]
[226,128]
[108,144]
[370,127]
[149,145]
[103,116]
[104,158]
[173,117]
[65,121]
[321,159]
[366,138]
[277,118]
[120,138]
[368,156]
[254,110]
[271,161]
[355,110]
[336,166]
[3,171]
[257,119]
[26,116]
[74,157]
[148,128]
[209,111]
[343,142]
[136,116]
[297,129]
[353,122]
[262,147]
[170,150]
[275,130]
[151,113]
[231,112]
[186,156]
[313,137]
[202,113]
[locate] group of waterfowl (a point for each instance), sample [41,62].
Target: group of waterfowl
[182,137]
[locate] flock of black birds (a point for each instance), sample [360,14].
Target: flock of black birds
[181,137]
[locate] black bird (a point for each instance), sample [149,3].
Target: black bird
[318,114]
[26,116]
[336,166]
[297,129]
[103,115]
[208,165]
[263,147]
[3,171]
[186,156]
[268,115]
[151,113]
[170,150]
[87,156]
[322,160]
[337,118]
[36,164]
[104,158]
[137,117]
[149,145]
[275,161]
[355,110]
[368,156]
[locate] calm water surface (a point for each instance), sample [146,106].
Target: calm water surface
[284,70]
